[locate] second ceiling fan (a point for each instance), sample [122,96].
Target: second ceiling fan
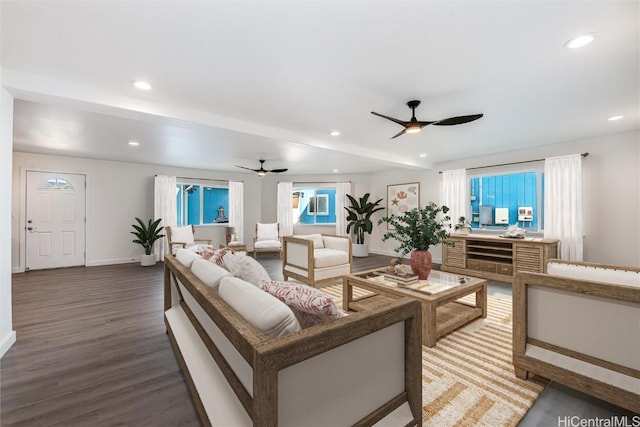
[414,125]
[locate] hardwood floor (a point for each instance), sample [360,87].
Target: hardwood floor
[92,350]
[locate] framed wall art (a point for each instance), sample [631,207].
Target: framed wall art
[402,198]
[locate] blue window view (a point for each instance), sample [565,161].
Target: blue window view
[197,204]
[503,200]
[314,206]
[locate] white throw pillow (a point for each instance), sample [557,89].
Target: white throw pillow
[209,273]
[266,313]
[182,234]
[186,257]
[246,268]
[318,243]
[267,231]
[310,305]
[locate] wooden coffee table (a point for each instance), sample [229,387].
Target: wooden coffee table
[441,313]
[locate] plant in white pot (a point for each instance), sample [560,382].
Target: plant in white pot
[359,221]
[146,236]
[463,226]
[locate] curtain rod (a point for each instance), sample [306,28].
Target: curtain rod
[513,163]
[204,179]
[314,182]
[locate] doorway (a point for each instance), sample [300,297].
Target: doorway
[55,220]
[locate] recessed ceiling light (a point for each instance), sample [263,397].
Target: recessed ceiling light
[336,171]
[133,143]
[335,133]
[614,118]
[580,41]
[142,85]
[422,155]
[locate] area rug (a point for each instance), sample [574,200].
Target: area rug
[467,378]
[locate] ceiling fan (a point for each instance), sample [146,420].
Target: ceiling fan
[415,126]
[262,171]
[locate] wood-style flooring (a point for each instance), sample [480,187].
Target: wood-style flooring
[92,350]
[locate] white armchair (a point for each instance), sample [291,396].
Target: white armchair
[267,239]
[316,258]
[183,238]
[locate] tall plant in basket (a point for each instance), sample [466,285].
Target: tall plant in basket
[416,231]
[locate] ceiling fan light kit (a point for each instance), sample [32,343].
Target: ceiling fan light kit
[415,126]
[262,171]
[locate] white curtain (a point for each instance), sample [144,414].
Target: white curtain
[236,208]
[563,204]
[342,189]
[164,206]
[285,208]
[454,193]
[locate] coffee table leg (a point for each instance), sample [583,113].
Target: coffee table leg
[347,294]
[481,300]
[429,324]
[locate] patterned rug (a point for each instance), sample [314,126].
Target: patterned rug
[468,377]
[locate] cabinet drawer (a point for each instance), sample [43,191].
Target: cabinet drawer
[488,266]
[505,269]
[473,264]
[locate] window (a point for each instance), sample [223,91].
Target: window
[314,205]
[202,203]
[500,200]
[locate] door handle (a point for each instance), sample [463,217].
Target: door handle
[30,228]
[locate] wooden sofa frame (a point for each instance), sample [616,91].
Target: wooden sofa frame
[268,357]
[525,364]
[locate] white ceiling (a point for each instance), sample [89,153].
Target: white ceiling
[235,82]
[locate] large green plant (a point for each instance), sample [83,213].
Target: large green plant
[419,228]
[147,234]
[360,216]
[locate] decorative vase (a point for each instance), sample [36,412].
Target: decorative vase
[421,263]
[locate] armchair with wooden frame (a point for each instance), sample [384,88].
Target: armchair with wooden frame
[183,237]
[267,239]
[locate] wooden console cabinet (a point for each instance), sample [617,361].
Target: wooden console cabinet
[496,258]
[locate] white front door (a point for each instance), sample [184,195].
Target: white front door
[55,220]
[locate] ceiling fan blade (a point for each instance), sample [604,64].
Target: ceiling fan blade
[457,120]
[278,170]
[400,122]
[249,169]
[398,134]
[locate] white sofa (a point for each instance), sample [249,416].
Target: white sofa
[246,363]
[579,325]
[316,258]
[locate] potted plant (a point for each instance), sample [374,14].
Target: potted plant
[146,235]
[359,218]
[463,226]
[416,231]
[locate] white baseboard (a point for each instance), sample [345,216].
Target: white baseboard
[98,262]
[17,270]
[7,342]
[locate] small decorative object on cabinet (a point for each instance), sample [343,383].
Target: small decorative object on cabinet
[418,230]
[463,226]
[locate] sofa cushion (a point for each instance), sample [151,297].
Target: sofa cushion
[267,244]
[593,273]
[186,257]
[267,232]
[209,273]
[245,268]
[329,257]
[182,234]
[316,238]
[311,306]
[266,313]
[213,254]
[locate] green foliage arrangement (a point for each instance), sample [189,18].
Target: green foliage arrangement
[360,216]
[463,222]
[147,234]
[419,228]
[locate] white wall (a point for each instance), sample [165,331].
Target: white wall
[611,193]
[7,335]
[117,192]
